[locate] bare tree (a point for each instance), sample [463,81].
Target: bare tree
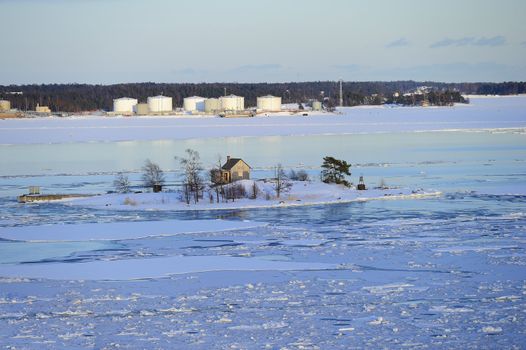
[216,178]
[281,182]
[152,174]
[193,182]
[255,191]
[121,183]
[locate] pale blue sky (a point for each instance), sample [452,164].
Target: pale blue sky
[112,41]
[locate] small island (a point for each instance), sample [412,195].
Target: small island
[229,186]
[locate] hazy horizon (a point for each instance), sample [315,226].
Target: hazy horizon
[117,41]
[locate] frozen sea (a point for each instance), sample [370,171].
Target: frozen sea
[442,272]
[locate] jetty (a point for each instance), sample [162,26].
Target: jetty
[29,198]
[34,195]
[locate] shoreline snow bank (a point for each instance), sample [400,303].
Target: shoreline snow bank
[484,113]
[302,193]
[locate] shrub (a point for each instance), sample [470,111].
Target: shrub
[129,201]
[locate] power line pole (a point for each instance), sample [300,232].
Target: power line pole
[341,92]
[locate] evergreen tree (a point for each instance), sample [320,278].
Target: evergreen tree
[335,170]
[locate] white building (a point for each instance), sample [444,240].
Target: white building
[124,105]
[269,103]
[160,104]
[317,106]
[194,104]
[232,103]
[5,105]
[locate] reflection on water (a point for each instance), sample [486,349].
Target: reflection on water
[263,152]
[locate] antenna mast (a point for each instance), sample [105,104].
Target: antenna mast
[341,93]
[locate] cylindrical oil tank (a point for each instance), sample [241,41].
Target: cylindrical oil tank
[160,104]
[269,103]
[124,105]
[212,105]
[194,104]
[5,105]
[142,109]
[316,106]
[232,103]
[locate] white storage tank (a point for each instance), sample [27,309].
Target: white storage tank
[212,105]
[160,104]
[269,103]
[5,105]
[194,104]
[124,105]
[232,103]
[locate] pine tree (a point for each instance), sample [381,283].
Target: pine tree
[335,170]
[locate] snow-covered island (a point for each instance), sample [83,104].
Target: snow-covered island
[301,193]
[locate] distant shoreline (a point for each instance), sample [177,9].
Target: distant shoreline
[489,114]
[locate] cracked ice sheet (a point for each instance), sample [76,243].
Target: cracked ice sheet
[131,269]
[119,231]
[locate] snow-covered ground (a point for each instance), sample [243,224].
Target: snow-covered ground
[482,113]
[301,193]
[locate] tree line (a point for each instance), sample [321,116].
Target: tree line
[85,97]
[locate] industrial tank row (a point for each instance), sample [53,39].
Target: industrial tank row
[154,105]
[194,104]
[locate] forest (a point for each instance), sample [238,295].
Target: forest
[86,97]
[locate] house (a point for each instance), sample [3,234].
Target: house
[235,169]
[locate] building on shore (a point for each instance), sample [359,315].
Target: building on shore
[194,104]
[316,106]
[42,109]
[125,105]
[235,169]
[269,103]
[5,105]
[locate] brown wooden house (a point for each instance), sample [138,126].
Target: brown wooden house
[235,169]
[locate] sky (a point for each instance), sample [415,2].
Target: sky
[119,41]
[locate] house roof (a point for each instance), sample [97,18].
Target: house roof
[230,163]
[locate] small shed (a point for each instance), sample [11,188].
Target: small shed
[235,169]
